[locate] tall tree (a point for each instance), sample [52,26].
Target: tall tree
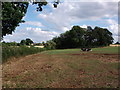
[23,42]
[28,41]
[80,37]
[102,36]
[13,12]
[70,39]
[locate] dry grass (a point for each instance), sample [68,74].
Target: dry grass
[74,70]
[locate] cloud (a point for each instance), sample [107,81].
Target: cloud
[113,26]
[34,23]
[111,21]
[116,39]
[61,19]
[84,26]
[36,34]
[68,13]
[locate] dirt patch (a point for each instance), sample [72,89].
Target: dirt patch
[46,68]
[106,57]
[94,54]
[112,54]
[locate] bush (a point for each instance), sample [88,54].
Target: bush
[17,51]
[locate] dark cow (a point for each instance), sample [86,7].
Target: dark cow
[86,49]
[83,49]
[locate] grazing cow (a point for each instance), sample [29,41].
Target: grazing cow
[86,49]
[83,49]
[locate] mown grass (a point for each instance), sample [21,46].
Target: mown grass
[62,51]
[13,51]
[67,68]
[112,50]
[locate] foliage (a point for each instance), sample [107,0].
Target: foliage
[23,42]
[10,44]
[26,42]
[40,4]
[17,51]
[102,37]
[13,12]
[50,45]
[81,37]
[117,43]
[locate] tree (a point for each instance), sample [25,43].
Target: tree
[117,43]
[70,39]
[13,12]
[79,37]
[23,42]
[28,41]
[50,44]
[102,37]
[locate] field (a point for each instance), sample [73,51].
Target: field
[66,68]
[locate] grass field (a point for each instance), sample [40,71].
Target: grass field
[94,50]
[67,68]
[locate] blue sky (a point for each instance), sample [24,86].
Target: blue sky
[43,26]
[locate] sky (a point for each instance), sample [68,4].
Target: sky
[51,22]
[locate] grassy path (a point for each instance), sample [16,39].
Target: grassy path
[70,68]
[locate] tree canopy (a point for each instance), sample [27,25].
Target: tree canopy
[13,12]
[81,37]
[26,42]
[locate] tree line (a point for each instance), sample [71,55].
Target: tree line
[13,12]
[79,37]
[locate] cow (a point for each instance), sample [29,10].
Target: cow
[86,49]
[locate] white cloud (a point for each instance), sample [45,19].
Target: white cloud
[36,34]
[111,21]
[68,13]
[64,17]
[116,39]
[84,26]
[34,23]
[114,28]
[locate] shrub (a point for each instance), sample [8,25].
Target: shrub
[17,51]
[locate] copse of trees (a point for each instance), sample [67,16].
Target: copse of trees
[26,42]
[79,37]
